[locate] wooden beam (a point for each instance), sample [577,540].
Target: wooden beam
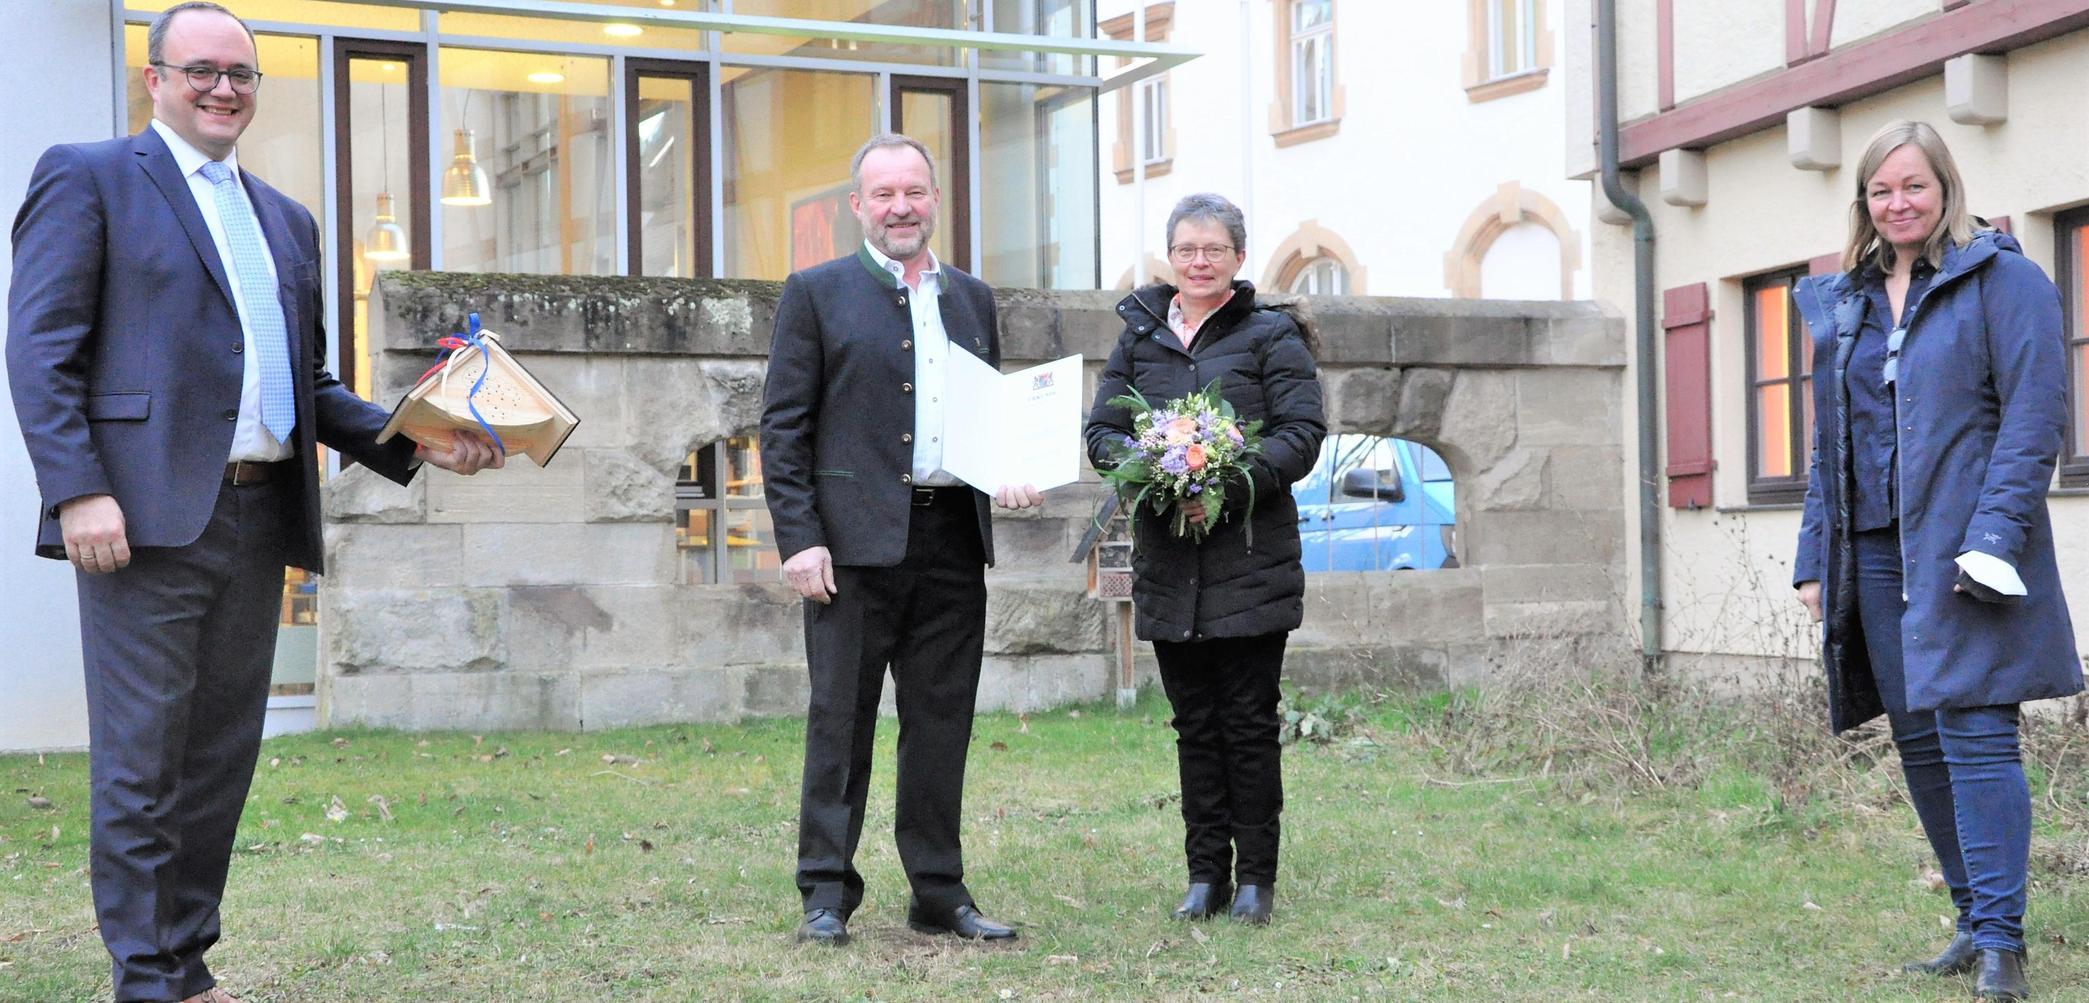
[1795,32]
[1875,65]
[1823,27]
[1665,56]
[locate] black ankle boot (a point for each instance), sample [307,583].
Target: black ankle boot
[1251,904]
[2001,976]
[1204,900]
[1958,957]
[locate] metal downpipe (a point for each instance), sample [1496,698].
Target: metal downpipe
[1643,328]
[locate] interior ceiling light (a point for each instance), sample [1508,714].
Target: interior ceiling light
[386,240]
[621,30]
[466,183]
[547,77]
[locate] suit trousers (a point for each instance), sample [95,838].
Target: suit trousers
[178,649]
[1964,767]
[926,619]
[1225,693]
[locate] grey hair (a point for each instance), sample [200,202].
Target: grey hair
[156,36]
[887,141]
[1213,208]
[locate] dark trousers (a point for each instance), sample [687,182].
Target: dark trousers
[1225,694]
[178,649]
[926,620]
[1965,771]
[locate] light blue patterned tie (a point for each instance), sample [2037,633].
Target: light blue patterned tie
[264,313]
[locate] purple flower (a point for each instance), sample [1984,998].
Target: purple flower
[1174,462]
[1196,487]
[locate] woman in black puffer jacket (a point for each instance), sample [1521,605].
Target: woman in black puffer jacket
[1218,610]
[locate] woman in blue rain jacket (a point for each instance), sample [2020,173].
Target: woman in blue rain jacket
[1940,396]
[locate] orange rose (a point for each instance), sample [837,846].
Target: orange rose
[1193,457]
[1180,430]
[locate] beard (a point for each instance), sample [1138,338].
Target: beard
[900,248]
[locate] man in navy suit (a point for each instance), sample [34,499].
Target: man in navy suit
[168,367]
[887,547]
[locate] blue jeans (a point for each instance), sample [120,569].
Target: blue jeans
[1965,771]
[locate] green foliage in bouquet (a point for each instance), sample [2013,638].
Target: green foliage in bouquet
[1191,448]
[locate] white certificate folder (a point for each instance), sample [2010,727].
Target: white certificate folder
[1013,429]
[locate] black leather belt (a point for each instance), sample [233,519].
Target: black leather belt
[243,472]
[925,497]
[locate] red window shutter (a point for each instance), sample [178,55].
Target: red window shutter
[1686,320]
[1824,264]
[2000,223]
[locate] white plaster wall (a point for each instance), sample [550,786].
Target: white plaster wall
[1856,20]
[42,699]
[1727,570]
[1724,43]
[1412,160]
[1521,264]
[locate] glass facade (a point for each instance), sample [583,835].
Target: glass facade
[1037,191]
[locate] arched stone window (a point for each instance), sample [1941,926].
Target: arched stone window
[1527,225]
[1315,256]
[1156,271]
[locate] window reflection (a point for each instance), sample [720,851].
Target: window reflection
[722,525]
[789,135]
[1037,186]
[538,124]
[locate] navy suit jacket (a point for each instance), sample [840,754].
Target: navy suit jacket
[838,419]
[123,347]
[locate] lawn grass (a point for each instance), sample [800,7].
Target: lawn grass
[656,864]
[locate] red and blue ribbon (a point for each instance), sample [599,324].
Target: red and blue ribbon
[463,341]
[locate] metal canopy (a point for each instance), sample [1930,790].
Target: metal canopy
[1147,58]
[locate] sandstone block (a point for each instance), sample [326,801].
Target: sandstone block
[663,696]
[1569,407]
[411,630]
[519,492]
[1367,401]
[358,494]
[1029,620]
[575,554]
[379,555]
[619,487]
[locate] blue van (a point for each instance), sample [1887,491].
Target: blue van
[1376,504]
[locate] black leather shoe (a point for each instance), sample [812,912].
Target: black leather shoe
[1251,904]
[1203,900]
[964,921]
[824,926]
[2001,976]
[1958,958]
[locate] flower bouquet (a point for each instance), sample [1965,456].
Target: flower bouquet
[1191,448]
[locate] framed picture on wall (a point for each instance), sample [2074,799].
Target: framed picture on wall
[823,228]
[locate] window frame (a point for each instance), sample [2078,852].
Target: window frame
[2074,307]
[1153,141]
[1798,380]
[1311,270]
[1312,66]
[1484,77]
[1526,40]
[696,75]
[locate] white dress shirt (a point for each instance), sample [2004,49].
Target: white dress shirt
[250,438]
[931,365]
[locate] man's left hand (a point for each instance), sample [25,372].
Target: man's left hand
[1023,497]
[468,453]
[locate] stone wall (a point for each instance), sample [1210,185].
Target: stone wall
[556,597]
